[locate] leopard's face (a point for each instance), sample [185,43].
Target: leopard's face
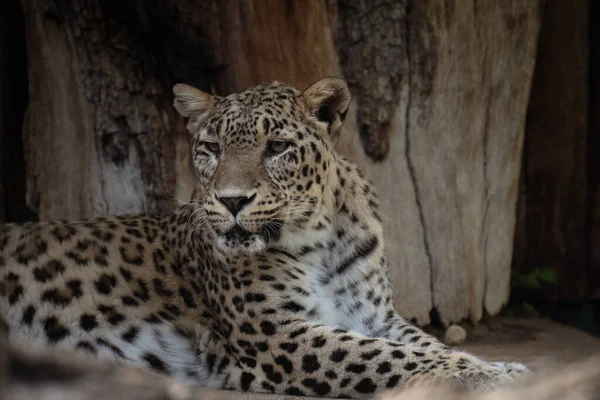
[262,161]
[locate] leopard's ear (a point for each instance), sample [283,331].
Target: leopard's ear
[328,100]
[192,103]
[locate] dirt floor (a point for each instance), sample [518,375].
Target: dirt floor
[539,343]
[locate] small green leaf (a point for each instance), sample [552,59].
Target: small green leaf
[530,309]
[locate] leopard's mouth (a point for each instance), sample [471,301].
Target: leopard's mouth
[239,239]
[237,234]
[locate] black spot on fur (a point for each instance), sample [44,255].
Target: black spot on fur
[290,347]
[410,366]
[48,271]
[298,332]
[393,381]
[320,388]
[131,334]
[246,380]
[16,294]
[319,342]
[370,355]
[293,307]
[129,301]
[247,328]
[338,355]
[271,373]
[398,354]
[86,346]
[248,361]
[110,313]
[285,363]
[54,296]
[87,322]
[384,368]
[160,288]
[105,284]
[142,291]
[356,368]
[188,299]
[366,385]
[74,286]
[310,363]
[361,251]
[294,391]
[155,362]
[55,332]
[268,328]
[111,347]
[28,315]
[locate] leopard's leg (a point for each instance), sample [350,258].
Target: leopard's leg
[300,358]
[377,318]
[398,329]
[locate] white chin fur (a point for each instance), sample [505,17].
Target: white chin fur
[255,245]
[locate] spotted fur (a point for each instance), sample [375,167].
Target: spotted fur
[272,279]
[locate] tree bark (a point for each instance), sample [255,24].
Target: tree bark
[101,136]
[456,139]
[555,167]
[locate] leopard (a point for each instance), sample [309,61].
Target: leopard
[272,278]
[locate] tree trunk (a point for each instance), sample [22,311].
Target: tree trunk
[555,157]
[101,136]
[440,96]
[462,77]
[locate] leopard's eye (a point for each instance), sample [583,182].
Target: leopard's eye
[213,147]
[275,147]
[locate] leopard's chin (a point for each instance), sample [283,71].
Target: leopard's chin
[238,241]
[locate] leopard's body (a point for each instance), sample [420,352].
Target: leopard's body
[272,279]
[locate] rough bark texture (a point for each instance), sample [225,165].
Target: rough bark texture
[452,182]
[101,136]
[371,40]
[264,40]
[441,87]
[556,165]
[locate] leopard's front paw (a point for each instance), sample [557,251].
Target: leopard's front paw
[513,369]
[484,376]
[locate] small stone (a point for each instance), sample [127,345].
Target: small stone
[455,334]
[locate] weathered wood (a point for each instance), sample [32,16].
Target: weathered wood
[255,41]
[371,41]
[101,136]
[451,185]
[556,153]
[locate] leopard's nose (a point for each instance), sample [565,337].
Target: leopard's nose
[237,203]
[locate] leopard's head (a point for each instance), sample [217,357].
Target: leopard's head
[262,157]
